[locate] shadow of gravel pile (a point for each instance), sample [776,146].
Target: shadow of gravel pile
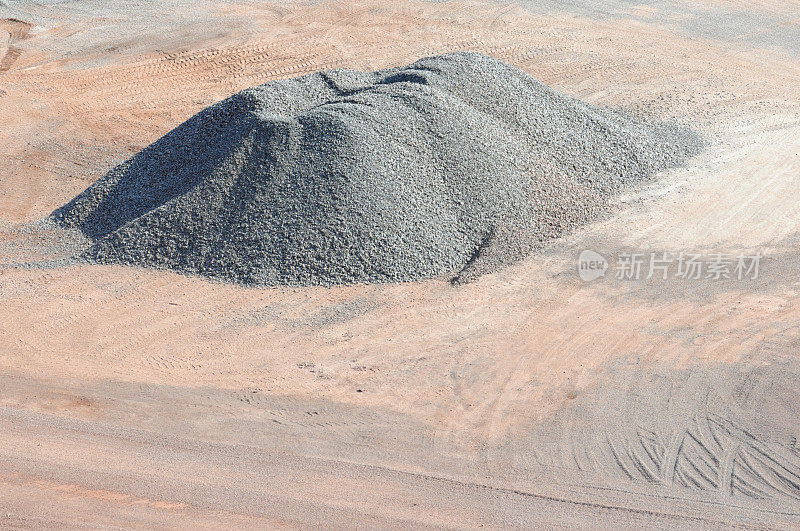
[341,176]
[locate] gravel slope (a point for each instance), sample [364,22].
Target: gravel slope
[342,176]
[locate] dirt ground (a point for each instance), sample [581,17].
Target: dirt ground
[132,397]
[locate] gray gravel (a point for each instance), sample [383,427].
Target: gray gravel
[454,165]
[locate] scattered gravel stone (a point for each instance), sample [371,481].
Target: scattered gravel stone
[456,164]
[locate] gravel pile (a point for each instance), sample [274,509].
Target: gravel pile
[455,164]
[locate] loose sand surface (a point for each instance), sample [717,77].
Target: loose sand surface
[528,397]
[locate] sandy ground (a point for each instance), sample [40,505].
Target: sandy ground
[131,397]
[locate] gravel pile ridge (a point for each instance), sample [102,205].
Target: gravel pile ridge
[455,164]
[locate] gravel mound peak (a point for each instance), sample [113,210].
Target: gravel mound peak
[455,164]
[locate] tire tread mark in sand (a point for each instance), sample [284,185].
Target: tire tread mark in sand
[643,461]
[618,459]
[747,479]
[578,461]
[685,478]
[756,444]
[693,464]
[654,449]
[726,470]
[769,471]
[674,447]
[705,456]
[706,438]
[756,469]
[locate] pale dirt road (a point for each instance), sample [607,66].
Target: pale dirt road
[169,457]
[143,398]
